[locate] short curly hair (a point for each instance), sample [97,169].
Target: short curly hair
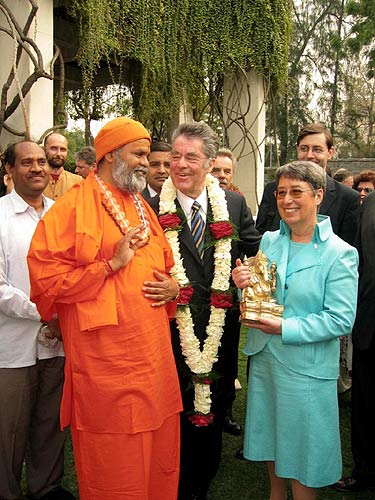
[364,176]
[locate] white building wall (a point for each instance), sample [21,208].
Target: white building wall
[39,101]
[244,119]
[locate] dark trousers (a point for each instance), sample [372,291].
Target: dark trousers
[200,457]
[363,413]
[29,427]
[228,365]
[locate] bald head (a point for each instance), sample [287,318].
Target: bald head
[56,147]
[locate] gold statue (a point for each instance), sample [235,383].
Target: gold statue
[257,301]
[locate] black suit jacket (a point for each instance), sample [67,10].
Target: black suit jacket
[146,194]
[364,326]
[340,202]
[200,274]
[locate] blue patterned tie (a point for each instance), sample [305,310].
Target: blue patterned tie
[197,228]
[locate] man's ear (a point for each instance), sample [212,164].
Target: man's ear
[331,152]
[319,196]
[211,162]
[110,157]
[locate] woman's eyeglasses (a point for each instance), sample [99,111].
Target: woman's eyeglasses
[365,189]
[294,193]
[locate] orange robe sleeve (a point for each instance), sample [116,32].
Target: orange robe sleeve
[66,267]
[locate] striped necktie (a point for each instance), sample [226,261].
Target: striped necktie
[197,228]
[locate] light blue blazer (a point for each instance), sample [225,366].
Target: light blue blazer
[319,293]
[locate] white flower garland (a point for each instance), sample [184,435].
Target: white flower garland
[200,361]
[113,209]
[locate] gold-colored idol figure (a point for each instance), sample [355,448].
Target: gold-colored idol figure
[257,300]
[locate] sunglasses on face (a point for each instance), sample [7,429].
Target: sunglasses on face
[365,189]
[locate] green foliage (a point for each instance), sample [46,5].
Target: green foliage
[172,47]
[76,141]
[364,29]
[318,87]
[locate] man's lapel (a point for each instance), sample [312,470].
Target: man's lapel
[209,252]
[329,196]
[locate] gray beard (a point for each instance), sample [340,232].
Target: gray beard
[126,179]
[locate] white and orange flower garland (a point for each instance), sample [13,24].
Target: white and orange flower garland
[200,361]
[114,211]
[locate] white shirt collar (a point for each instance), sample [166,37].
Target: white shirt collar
[151,191]
[21,206]
[186,203]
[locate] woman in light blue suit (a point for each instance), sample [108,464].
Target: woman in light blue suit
[292,413]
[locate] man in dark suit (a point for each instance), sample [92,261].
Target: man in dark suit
[159,162]
[223,169]
[194,148]
[363,374]
[315,143]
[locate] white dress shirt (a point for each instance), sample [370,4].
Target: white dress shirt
[186,203]
[19,318]
[151,191]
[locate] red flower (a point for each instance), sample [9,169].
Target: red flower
[222,300]
[221,229]
[170,221]
[206,381]
[201,420]
[185,295]
[202,379]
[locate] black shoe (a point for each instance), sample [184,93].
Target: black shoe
[55,494]
[198,494]
[239,454]
[350,484]
[232,427]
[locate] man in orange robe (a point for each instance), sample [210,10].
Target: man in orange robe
[101,262]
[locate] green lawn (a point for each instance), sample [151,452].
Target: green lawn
[241,480]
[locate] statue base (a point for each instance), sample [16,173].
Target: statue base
[252,311]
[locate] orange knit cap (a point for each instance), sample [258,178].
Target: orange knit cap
[117,133]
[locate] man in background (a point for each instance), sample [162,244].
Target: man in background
[159,162]
[56,147]
[31,373]
[315,143]
[223,169]
[363,374]
[85,161]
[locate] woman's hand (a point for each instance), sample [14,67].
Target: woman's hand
[241,275]
[271,326]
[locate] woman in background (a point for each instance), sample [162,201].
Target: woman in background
[364,183]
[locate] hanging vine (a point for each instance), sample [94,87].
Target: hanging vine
[175,46]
